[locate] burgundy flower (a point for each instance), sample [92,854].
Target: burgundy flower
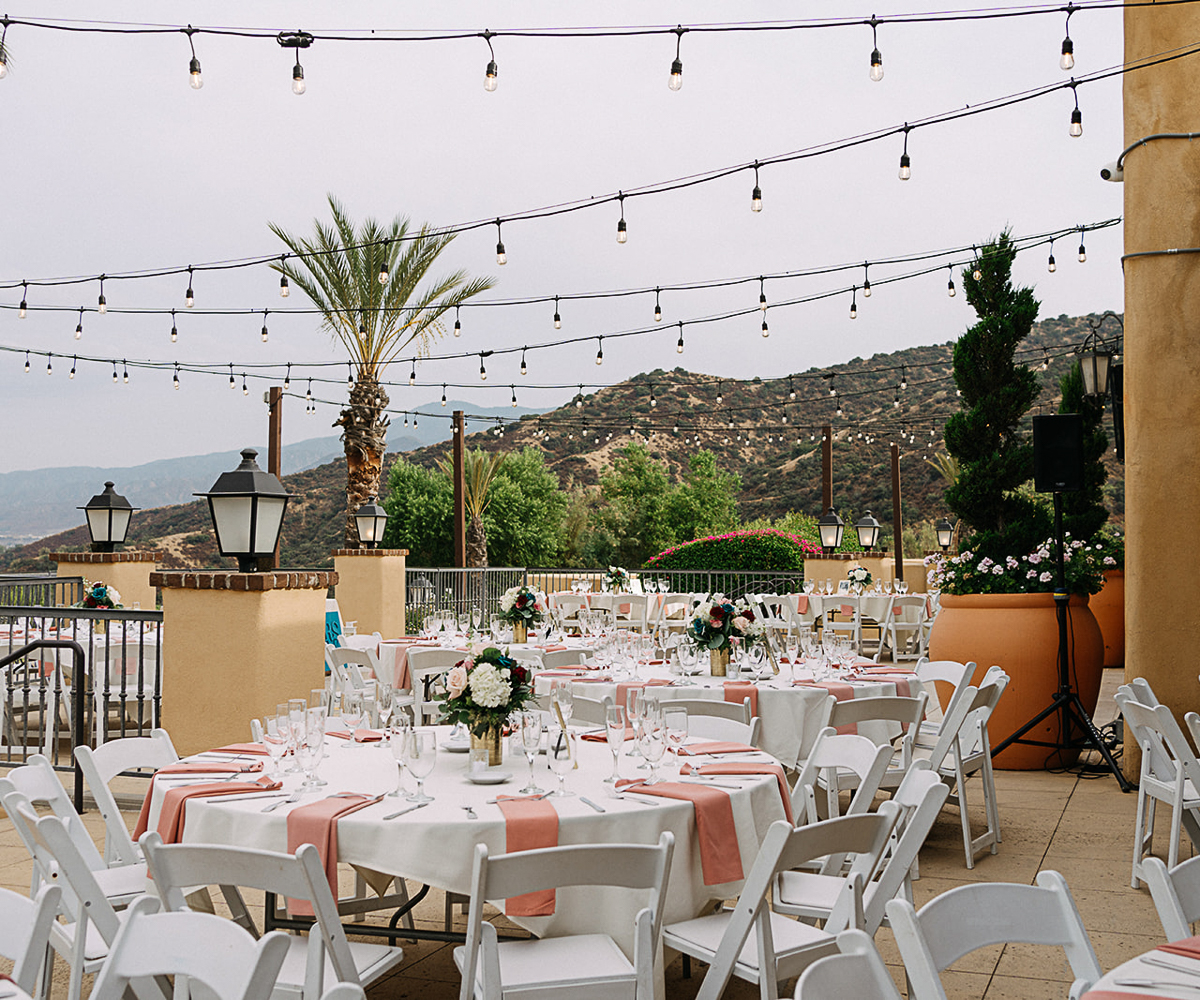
[518,674]
[718,613]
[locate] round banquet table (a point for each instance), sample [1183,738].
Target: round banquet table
[1186,983]
[435,844]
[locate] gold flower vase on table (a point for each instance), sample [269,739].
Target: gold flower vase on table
[492,742]
[719,661]
[520,632]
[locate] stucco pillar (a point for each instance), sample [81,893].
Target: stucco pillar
[370,589]
[234,646]
[1162,359]
[128,571]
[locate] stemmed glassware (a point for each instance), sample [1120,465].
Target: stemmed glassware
[563,696]
[531,742]
[561,753]
[635,711]
[614,724]
[314,734]
[309,752]
[419,757]
[352,712]
[675,724]
[384,702]
[651,739]
[275,736]
[296,708]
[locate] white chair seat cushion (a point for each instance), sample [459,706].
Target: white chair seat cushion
[810,889]
[123,883]
[370,960]
[703,936]
[589,966]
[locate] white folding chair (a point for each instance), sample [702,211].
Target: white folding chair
[857,972]
[1176,894]
[588,710]
[563,658]
[1170,774]
[568,606]
[101,765]
[902,628]
[576,964]
[957,676]
[25,934]
[836,762]
[713,727]
[323,954]
[36,783]
[842,615]
[673,611]
[426,664]
[639,610]
[759,946]
[968,917]
[907,713]
[207,949]
[709,708]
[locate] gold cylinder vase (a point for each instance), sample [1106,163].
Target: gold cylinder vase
[492,741]
[520,632]
[719,661]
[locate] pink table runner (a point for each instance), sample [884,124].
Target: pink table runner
[529,825]
[171,817]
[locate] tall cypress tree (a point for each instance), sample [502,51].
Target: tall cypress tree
[995,454]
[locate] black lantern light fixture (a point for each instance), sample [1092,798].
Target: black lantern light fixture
[247,507]
[108,515]
[371,520]
[868,531]
[1096,358]
[830,527]
[945,533]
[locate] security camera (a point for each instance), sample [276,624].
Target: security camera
[1112,172]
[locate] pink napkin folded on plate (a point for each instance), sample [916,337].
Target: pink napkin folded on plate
[360,735]
[551,649]
[748,767]
[602,737]
[213,767]
[257,748]
[715,747]
[171,817]
[738,691]
[529,825]
[716,834]
[903,688]
[316,824]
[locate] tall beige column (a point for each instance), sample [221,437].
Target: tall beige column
[370,589]
[1162,357]
[128,571]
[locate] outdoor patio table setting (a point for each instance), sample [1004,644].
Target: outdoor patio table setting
[1170,970]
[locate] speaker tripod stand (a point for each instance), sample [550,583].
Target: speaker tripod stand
[1065,701]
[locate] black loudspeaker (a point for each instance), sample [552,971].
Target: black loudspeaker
[1058,453]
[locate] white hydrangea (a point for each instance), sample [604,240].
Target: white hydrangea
[489,685]
[509,598]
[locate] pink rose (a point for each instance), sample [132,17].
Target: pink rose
[456,681]
[740,623]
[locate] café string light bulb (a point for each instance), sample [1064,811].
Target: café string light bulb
[174,379]
[679,343]
[622,232]
[514,394]
[412,375]
[245,388]
[675,80]
[765,330]
[491,76]
[443,394]
[501,256]
[27,364]
[1067,59]
[657,307]
[854,302]
[116,377]
[125,371]
[349,374]
[876,55]
[232,384]
[287,379]
[75,361]
[1076,129]
[482,370]
[24,306]
[457,323]
[1082,248]
[174,328]
[79,326]
[524,367]
[101,302]
[762,295]
[905,162]
[756,194]
[599,350]
[265,334]
[194,77]
[189,298]
[557,317]
[950,289]
[720,394]
[1050,265]
[866,281]
[385,272]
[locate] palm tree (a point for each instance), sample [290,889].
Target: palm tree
[479,471]
[946,466]
[365,283]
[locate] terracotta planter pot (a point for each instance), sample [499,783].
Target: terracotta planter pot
[1109,608]
[1020,633]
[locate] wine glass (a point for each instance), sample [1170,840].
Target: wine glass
[675,723]
[614,723]
[561,753]
[793,649]
[296,708]
[635,711]
[276,740]
[531,742]
[384,702]
[314,728]
[564,697]
[397,737]
[309,752]
[755,656]
[352,712]
[420,756]
[651,741]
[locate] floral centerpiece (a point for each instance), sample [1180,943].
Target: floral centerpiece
[716,622]
[99,595]
[616,580]
[522,607]
[482,690]
[860,576]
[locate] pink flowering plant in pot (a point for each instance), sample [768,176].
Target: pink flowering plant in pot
[1032,573]
[483,690]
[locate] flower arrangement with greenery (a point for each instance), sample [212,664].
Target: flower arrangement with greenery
[99,595]
[717,621]
[616,580]
[1033,573]
[483,690]
[522,605]
[860,576]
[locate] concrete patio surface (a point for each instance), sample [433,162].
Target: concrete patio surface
[1079,826]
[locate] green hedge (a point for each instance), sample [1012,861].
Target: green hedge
[765,550]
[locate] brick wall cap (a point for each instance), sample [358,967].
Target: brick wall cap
[376,553]
[128,556]
[283,579]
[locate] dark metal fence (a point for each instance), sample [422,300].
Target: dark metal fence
[49,705]
[477,592]
[40,590]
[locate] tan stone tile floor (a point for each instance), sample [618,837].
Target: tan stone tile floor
[1079,826]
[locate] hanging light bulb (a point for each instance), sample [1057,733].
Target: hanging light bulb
[653,400]
[622,233]
[23,308]
[977,270]
[675,81]
[791,389]
[443,394]
[174,328]
[245,388]
[557,317]
[1050,265]
[232,384]
[75,361]
[1082,248]
[657,308]
[876,56]
[349,374]
[412,375]
[524,367]
[501,256]
[125,372]
[264,334]
[720,395]
[514,394]
[905,162]
[298,84]
[679,343]
[756,194]
[194,77]
[1067,60]
[457,323]
[491,77]
[287,379]
[762,295]
[839,406]
[101,303]
[765,332]
[866,281]
[116,378]
[950,289]
[284,291]
[79,326]
[600,350]
[385,273]
[896,401]
[174,378]
[189,299]
[482,370]
[903,378]
[27,364]
[854,302]
[832,390]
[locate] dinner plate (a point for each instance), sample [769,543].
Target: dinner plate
[489,777]
[452,747]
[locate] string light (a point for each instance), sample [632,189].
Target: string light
[101,303]
[653,400]
[791,388]
[79,325]
[491,77]
[599,350]
[1076,115]
[720,394]
[557,318]
[657,307]
[839,406]
[1050,265]
[385,273]
[26,362]
[174,328]
[950,290]
[175,378]
[876,56]
[579,399]
[1082,248]
[245,388]
[482,370]
[349,374]
[308,396]
[125,372]
[1067,61]
[675,81]
[231,382]
[443,394]
[622,234]
[190,298]
[457,323]
[903,377]
[114,364]
[264,334]
[977,271]
[854,302]
[866,280]
[765,332]
[514,394]
[501,256]
[412,375]
[756,194]
[194,77]
[24,306]
[296,40]
[679,343]
[287,379]
[762,294]
[75,361]
[905,161]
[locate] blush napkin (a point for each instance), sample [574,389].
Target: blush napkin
[841,691]
[529,825]
[748,767]
[718,746]
[171,817]
[316,824]
[738,691]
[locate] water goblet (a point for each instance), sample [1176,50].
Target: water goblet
[652,742]
[531,743]
[564,697]
[276,741]
[309,753]
[420,757]
[675,724]
[397,737]
[561,753]
[614,724]
[384,703]
[635,711]
[352,712]
[296,708]
[756,656]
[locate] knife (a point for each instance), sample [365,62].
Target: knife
[406,809]
[588,802]
[242,798]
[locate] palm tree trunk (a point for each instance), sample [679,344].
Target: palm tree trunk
[477,555]
[364,436]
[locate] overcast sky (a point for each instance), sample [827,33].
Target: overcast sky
[113,163]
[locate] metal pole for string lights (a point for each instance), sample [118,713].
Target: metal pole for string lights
[274,456]
[460,493]
[827,467]
[897,523]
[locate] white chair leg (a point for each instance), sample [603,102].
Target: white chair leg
[1140,843]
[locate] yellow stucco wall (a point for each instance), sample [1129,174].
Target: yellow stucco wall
[370,589]
[132,579]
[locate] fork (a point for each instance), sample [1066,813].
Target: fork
[470,810]
[294,797]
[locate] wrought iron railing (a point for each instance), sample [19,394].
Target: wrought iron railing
[41,590]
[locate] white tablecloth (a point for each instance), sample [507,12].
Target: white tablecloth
[435,844]
[1137,969]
